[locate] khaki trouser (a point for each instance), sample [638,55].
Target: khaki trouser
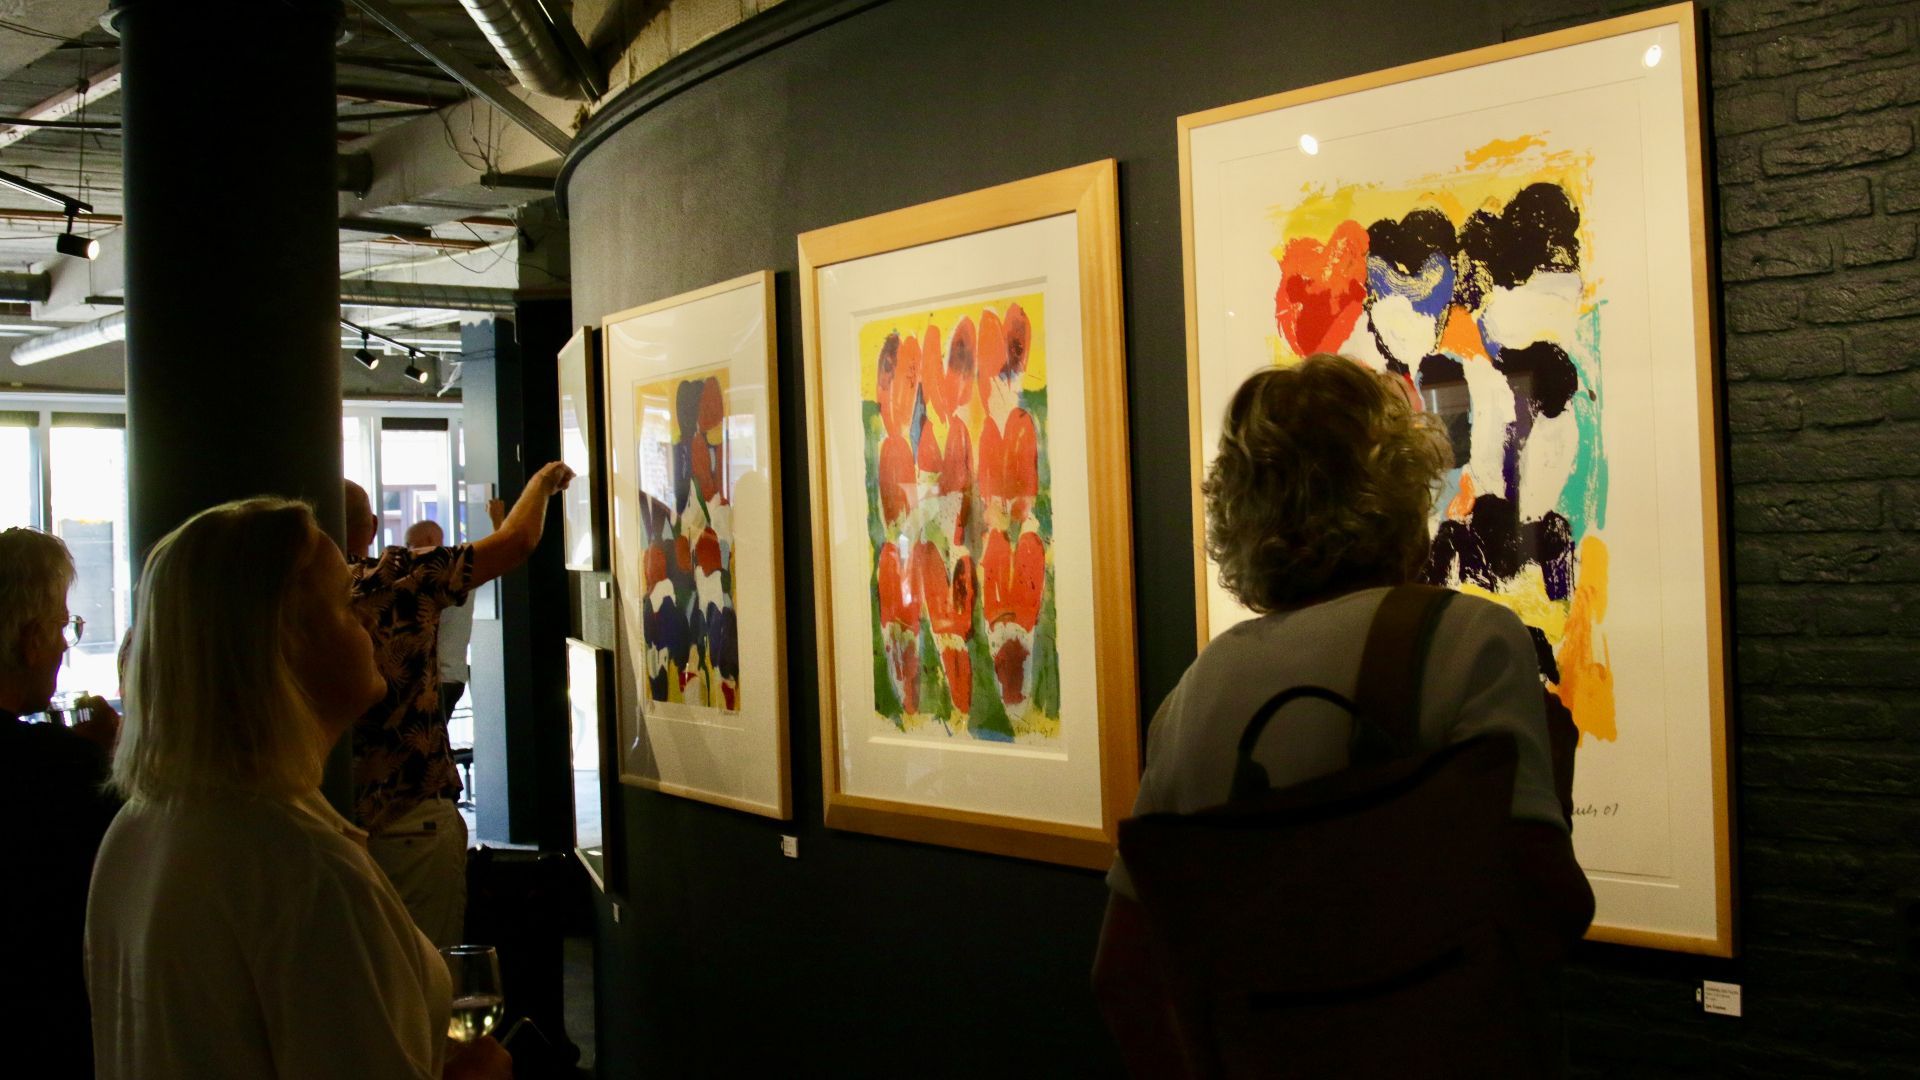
[424,853]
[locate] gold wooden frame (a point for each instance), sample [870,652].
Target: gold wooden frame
[783,811]
[1685,16]
[1090,191]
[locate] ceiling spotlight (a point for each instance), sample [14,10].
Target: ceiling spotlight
[415,373]
[80,247]
[365,356]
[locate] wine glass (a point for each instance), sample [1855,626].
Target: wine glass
[478,1001]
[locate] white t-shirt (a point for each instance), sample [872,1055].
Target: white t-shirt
[456,630]
[232,935]
[1481,675]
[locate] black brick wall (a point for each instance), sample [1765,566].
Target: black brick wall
[1813,107]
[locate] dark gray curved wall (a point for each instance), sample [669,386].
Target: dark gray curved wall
[868,956]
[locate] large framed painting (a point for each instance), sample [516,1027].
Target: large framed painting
[584,504]
[693,444]
[591,745]
[1518,234]
[966,407]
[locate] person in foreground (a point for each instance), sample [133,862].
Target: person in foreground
[406,786]
[237,926]
[50,789]
[1317,505]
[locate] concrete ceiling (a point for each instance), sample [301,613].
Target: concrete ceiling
[437,158]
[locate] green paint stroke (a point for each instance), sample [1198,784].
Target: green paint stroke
[1583,501]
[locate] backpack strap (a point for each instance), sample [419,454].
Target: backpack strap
[1387,693]
[1386,702]
[1249,776]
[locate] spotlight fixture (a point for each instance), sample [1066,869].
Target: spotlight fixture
[80,247]
[365,356]
[415,373]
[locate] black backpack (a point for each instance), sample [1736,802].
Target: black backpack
[1361,924]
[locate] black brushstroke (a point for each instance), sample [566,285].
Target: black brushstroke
[1542,373]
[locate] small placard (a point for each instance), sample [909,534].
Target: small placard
[1719,998]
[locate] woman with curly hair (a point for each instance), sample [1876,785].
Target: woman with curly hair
[1317,505]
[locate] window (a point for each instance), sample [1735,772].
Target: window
[19,469]
[88,481]
[407,458]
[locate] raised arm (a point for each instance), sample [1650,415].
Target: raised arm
[513,542]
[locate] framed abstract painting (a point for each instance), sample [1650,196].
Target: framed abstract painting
[972,540]
[584,504]
[1519,236]
[693,464]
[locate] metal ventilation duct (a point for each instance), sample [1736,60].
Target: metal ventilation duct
[359,292]
[72,340]
[519,32]
[34,288]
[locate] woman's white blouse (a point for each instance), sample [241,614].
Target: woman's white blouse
[233,935]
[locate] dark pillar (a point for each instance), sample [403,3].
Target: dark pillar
[523,776]
[233,261]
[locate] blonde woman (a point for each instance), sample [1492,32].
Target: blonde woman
[1317,504]
[236,926]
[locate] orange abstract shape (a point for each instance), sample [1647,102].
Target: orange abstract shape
[949,385]
[948,597]
[1010,460]
[706,553]
[654,567]
[1003,347]
[1010,670]
[897,381]
[682,554]
[713,409]
[899,601]
[899,486]
[929,458]
[1586,676]
[1015,578]
[1323,289]
[956,469]
[959,668]
[1461,336]
[1461,508]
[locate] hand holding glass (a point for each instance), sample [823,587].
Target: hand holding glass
[478,1000]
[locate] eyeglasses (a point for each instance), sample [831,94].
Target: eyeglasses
[73,630]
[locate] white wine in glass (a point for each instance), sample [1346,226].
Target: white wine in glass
[478,1001]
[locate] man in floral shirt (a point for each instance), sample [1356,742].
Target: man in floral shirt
[405,782]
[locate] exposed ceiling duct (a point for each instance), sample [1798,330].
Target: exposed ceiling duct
[359,292]
[526,40]
[25,288]
[72,340]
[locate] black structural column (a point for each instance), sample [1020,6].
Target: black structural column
[232,258]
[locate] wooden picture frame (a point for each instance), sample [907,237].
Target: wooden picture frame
[963,279]
[584,503]
[589,700]
[1300,235]
[693,462]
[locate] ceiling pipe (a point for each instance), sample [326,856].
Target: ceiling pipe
[73,339]
[353,293]
[30,288]
[521,33]
[360,292]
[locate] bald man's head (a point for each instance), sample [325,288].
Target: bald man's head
[425,534]
[362,526]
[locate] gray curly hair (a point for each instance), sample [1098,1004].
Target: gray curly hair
[1323,483]
[35,573]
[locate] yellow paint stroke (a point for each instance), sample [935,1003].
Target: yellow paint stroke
[1586,676]
[1525,594]
[873,334]
[1500,151]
